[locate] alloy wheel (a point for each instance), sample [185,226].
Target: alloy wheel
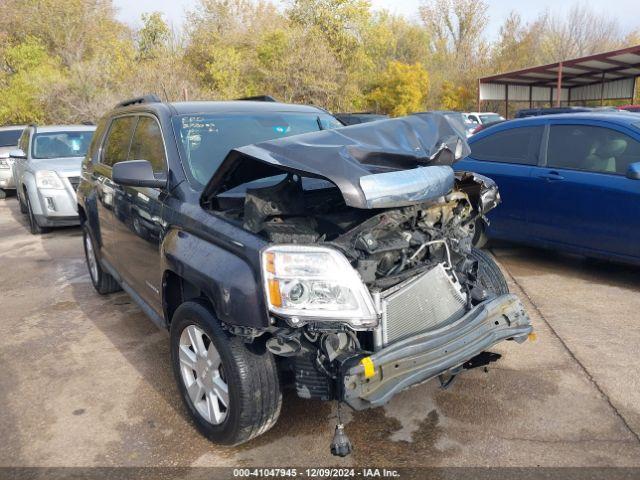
[203,375]
[92,262]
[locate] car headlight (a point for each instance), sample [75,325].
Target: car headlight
[4,163]
[304,283]
[48,179]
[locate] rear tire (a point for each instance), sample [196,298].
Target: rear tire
[103,282]
[254,397]
[3,194]
[489,274]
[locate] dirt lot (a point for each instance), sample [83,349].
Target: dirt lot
[85,380]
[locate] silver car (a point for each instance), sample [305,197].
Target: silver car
[8,141]
[46,172]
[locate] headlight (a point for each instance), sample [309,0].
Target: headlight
[48,179]
[315,283]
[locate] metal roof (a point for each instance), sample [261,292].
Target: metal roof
[241,106]
[603,76]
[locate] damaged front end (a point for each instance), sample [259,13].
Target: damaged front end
[369,275]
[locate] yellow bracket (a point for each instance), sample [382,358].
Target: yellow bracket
[369,367]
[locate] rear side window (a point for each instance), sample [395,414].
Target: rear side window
[9,138]
[24,142]
[116,145]
[147,144]
[591,149]
[517,145]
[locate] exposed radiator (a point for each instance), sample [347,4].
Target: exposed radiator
[417,305]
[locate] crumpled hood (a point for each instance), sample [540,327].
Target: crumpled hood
[357,159]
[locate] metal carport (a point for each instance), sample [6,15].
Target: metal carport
[603,76]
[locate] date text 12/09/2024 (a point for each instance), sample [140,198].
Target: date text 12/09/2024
[315,473]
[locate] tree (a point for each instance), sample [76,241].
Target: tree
[153,37]
[27,73]
[401,89]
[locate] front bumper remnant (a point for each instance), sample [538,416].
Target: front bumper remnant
[427,355]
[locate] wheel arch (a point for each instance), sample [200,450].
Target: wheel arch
[197,268]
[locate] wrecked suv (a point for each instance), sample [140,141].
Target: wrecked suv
[278,247]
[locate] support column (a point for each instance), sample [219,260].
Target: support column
[506,101]
[602,90]
[478,98]
[530,96]
[559,85]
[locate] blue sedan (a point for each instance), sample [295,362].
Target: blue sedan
[568,182]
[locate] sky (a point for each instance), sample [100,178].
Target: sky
[623,10]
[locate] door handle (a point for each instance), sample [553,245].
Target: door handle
[551,177]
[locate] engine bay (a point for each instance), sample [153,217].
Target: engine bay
[385,246]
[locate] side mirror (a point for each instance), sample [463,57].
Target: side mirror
[633,172]
[18,153]
[136,173]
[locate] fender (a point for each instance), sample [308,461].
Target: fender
[29,182]
[226,279]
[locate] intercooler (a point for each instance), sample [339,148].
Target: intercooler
[419,304]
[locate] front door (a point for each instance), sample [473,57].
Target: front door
[587,201]
[114,149]
[138,221]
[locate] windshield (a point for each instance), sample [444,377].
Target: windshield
[205,140]
[491,118]
[9,138]
[61,144]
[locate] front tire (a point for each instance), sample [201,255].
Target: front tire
[490,276]
[103,282]
[23,207]
[34,226]
[231,391]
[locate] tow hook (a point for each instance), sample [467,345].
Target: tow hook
[340,445]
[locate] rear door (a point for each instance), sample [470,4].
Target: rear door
[586,199]
[508,156]
[114,149]
[137,216]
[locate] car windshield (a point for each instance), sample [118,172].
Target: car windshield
[9,138]
[205,140]
[61,144]
[491,118]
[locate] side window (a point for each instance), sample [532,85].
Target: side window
[147,144]
[591,149]
[23,144]
[116,145]
[95,141]
[517,145]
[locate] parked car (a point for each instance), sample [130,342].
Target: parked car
[359,117]
[8,141]
[630,108]
[482,118]
[536,112]
[568,182]
[46,173]
[338,260]
[459,117]
[483,126]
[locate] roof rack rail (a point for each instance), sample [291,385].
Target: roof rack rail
[258,98]
[150,98]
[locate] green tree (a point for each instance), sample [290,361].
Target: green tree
[401,89]
[153,37]
[27,72]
